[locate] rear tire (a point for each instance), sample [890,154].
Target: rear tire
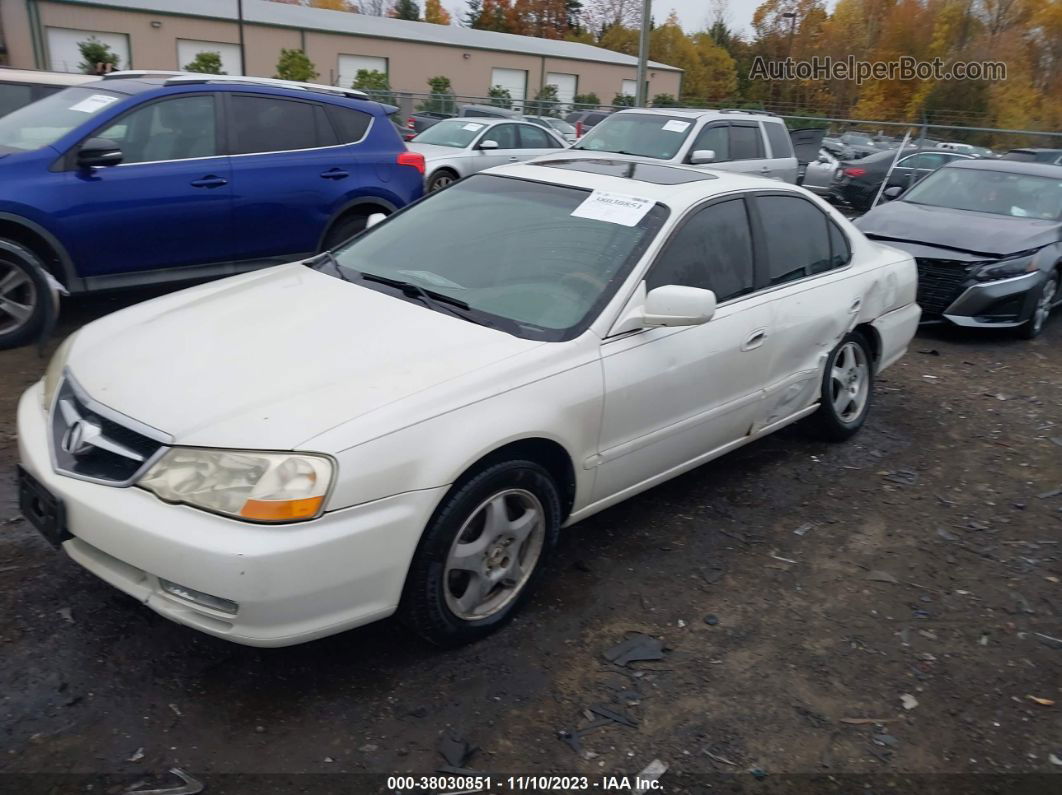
[1045,300]
[481,554]
[343,230]
[441,179]
[24,295]
[847,389]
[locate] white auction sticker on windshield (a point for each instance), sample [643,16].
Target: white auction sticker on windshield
[616,208]
[93,103]
[677,126]
[472,127]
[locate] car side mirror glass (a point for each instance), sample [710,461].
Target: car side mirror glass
[702,156]
[892,193]
[374,219]
[99,152]
[488,144]
[675,305]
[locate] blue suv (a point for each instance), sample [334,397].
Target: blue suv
[148,178]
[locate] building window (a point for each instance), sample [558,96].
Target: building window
[629,88]
[514,80]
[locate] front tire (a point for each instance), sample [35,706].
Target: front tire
[1045,300]
[441,179]
[847,388]
[481,554]
[24,295]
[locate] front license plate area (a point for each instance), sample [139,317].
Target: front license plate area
[42,509]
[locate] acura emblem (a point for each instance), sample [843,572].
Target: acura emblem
[80,437]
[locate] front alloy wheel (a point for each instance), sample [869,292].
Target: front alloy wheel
[1045,301]
[24,293]
[440,180]
[481,553]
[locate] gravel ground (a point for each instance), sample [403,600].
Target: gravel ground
[881,608]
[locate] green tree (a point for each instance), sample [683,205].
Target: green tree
[294,65]
[623,101]
[374,83]
[98,57]
[545,101]
[207,63]
[664,101]
[587,99]
[406,9]
[500,97]
[441,99]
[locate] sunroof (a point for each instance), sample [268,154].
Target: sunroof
[630,169]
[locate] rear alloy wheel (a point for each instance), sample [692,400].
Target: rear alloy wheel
[481,554]
[847,385]
[440,180]
[23,295]
[343,230]
[1044,303]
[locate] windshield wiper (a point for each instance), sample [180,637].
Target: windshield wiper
[329,258]
[430,298]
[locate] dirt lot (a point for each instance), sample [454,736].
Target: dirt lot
[902,577]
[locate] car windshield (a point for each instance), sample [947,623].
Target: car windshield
[996,192]
[561,126]
[45,121]
[644,134]
[514,252]
[457,133]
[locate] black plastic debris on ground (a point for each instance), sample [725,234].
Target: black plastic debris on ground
[455,750]
[635,648]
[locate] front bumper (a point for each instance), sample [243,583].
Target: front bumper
[293,583]
[1006,303]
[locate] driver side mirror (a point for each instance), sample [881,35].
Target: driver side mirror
[674,305]
[488,144]
[99,152]
[892,193]
[702,156]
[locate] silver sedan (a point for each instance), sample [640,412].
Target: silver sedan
[455,148]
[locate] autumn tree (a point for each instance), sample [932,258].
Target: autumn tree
[435,13]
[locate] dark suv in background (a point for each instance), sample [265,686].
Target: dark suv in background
[147,178]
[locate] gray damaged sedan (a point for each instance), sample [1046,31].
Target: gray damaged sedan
[987,238]
[456,148]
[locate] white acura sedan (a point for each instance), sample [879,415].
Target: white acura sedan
[404,425]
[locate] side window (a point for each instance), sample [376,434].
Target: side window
[712,250]
[272,124]
[349,123]
[796,237]
[173,129]
[535,138]
[778,138]
[746,143]
[504,134]
[716,138]
[840,251]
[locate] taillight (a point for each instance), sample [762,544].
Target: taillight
[578,129]
[415,159]
[854,172]
[410,124]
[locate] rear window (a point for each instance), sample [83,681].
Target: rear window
[349,123]
[778,138]
[1024,157]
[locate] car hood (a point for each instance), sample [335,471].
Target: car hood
[960,230]
[271,359]
[434,152]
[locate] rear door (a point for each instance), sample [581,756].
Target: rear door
[289,173]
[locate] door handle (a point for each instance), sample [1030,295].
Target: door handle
[513,159]
[209,181]
[335,173]
[755,339]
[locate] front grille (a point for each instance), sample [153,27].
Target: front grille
[940,282]
[94,443]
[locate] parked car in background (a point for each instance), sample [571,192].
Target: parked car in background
[819,174]
[19,87]
[559,126]
[455,148]
[857,182]
[585,120]
[1052,156]
[430,403]
[422,120]
[807,147]
[953,146]
[987,237]
[729,140]
[138,179]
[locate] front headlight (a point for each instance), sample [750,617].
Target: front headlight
[1004,269]
[261,487]
[54,374]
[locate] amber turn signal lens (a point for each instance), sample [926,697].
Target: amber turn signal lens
[281,510]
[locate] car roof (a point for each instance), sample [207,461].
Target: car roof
[37,77]
[646,182]
[1035,149]
[1009,166]
[488,121]
[697,113]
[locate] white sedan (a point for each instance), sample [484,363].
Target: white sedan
[406,424]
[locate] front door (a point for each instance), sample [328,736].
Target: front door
[673,395]
[167,205]
[507,137]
